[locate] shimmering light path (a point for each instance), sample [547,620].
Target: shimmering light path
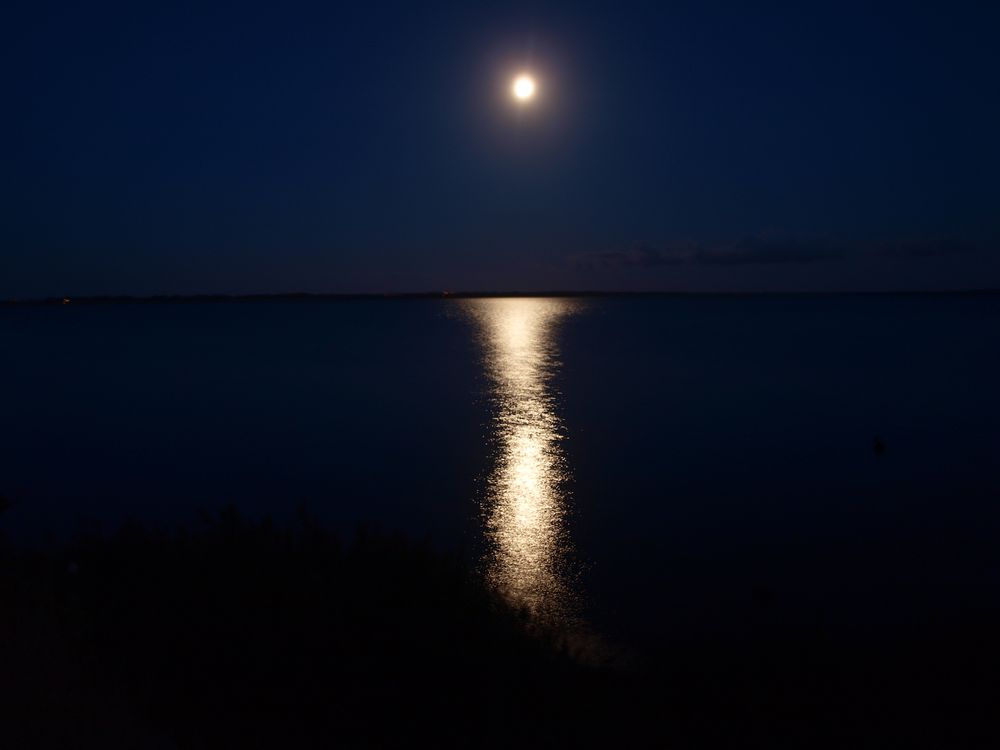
[525,503]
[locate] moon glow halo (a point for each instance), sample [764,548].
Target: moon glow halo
[523,88]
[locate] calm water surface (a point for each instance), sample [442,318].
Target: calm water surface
[652,465]
[525,503]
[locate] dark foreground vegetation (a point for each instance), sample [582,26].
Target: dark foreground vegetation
[248,635]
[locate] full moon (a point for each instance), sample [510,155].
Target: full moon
[523,88]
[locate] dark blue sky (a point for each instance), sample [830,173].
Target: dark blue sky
[250,147]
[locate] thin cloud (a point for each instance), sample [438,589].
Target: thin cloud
[929,248]
[751,251]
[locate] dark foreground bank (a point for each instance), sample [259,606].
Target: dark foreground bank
[248,635]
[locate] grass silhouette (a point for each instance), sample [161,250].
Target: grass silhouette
[246,634]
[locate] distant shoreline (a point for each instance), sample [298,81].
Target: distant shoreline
[368,296]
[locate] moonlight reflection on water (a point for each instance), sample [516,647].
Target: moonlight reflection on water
[525,504]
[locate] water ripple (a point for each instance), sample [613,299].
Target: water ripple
[525,503]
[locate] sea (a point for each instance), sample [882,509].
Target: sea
[641,466]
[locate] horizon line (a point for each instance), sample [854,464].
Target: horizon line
[349,296]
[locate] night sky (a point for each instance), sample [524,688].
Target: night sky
[166,147]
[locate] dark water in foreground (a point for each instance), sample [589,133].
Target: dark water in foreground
[653,466]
